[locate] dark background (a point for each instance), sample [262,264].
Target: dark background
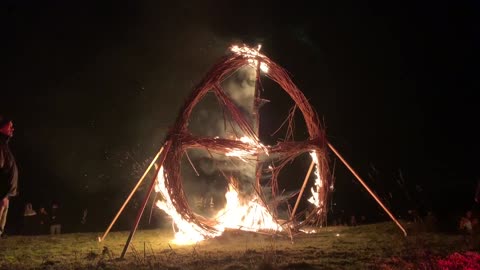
[93,88]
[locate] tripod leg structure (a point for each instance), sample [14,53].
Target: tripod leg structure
[367,188]
[100,239]
[145,201]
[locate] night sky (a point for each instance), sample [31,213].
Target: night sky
[93,89]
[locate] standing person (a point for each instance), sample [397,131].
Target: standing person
[83,221]
[55,220]
[477,192]
[467,226]
[476,205]
[8,171]
[43,221]
[29,220]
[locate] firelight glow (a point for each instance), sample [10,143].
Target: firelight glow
[247,214]
[237,214]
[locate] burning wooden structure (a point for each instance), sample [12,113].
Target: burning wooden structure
[242,143]
[249,211]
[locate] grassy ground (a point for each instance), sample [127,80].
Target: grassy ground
[375,246]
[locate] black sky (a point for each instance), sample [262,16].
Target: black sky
[94,87]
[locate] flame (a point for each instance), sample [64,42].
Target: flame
[247,51]
[318,183]
[247,216]
[242,153]
[252,55]
[188,232]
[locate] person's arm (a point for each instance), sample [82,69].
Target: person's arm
[13,181]
[8,174]
[4,182]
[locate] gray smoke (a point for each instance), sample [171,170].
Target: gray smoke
[209,119]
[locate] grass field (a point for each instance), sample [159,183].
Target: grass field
[374,246]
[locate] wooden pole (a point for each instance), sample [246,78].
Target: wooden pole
[302,189]
[145,201]
[368,189]
[256,124]
[100,239]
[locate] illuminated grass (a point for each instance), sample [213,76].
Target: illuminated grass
[361,247]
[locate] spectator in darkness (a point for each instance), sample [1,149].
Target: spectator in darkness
[29,220]
[43,221]
[55,219]
[8,171]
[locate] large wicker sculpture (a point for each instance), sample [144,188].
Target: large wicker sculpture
[242,142]
[230,136]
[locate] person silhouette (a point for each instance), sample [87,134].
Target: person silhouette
[8,171]
[29,220]
[55,219]
[43,221]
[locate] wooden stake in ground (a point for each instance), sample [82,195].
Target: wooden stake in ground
[100,239]
[145,201]
[368,189]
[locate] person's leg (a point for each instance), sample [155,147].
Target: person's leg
[52,229]
[3,218]
[3,214]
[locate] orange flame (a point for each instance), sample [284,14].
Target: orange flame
[318,183]
[247,215]
[188,232]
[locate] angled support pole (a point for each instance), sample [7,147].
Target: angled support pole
[100,239]
[367,188]
[166,146]
[292,216]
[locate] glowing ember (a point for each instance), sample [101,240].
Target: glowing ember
[241,153]
[247,52]
[252,54]
[308,231]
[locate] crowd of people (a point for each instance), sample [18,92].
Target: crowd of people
[43,221]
